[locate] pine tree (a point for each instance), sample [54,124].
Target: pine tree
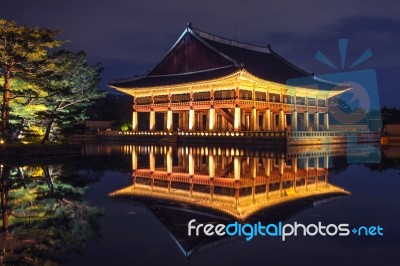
[23,51]
[71,87]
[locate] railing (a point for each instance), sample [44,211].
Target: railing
[231,103]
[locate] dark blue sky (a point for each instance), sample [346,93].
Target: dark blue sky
[129,37]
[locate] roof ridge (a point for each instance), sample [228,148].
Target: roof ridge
[216,38]
[192,72]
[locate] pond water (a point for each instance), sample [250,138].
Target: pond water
[131,205]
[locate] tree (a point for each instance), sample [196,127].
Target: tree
[23,51]
[71,87]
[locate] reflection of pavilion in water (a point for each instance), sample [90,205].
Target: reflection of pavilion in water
[218,185]
[229,181]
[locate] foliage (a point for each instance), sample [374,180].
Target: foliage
[48,217]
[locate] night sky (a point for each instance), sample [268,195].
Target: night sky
[130,37]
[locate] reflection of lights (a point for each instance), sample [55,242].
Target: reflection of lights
[1,141]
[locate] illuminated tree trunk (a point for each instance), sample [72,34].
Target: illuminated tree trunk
[5,108]
[48,131]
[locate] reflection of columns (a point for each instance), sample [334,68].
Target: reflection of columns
[267,166]
[326,121]
[211,119]
[191,119]
[316,121]
[134,159]
[281,165]
[191,163]
[281,121]
[267,120]
[152,161]
[253,166]
[294,165]
[135,121]
[253,119]
[236,167]
[169,120]
[211,165]
[152,121]
[305,121]
[236,124]
[294,120]
[169,160]
[306,168]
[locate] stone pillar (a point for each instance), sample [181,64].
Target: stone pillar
[152,121]
[326,121]
[211,119]
[316,121]
[191,120]
[305,121]
[169,121]
[294,120]
[253,119]
[237,123]
[135,121]
[281,121]
[267,120]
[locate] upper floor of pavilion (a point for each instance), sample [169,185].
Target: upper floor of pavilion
[202,62]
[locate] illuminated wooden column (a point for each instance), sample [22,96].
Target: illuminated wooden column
[305,121]
[253,119]
[211,119]
[326,162]
[326,121]
[281,121]
[169,121]
[165,121]
[316,121]
[237,123]
[267,120]
[236,167]
[185,121]
[135,121]
[191,119]
[294,120]
[180,121]
[152,121]
[223,123]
